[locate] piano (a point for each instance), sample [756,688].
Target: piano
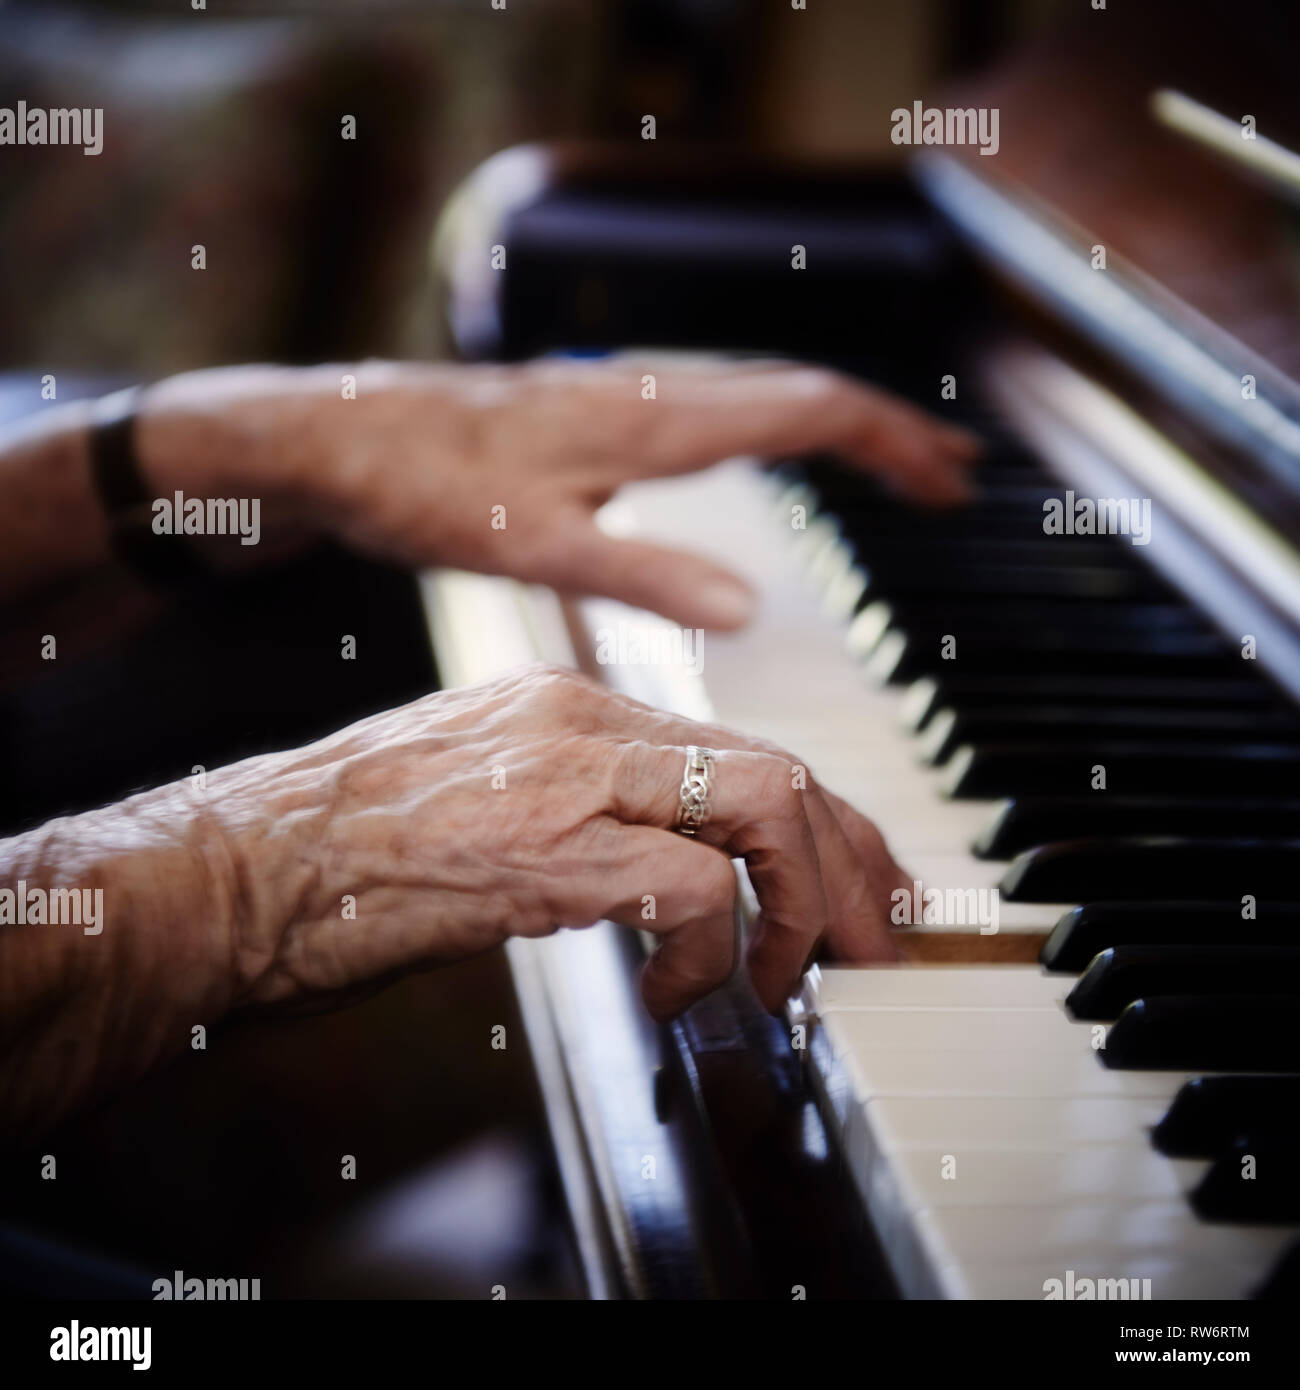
[1084,742]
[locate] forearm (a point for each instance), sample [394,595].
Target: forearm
[115,941]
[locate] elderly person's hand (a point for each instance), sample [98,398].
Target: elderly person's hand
[442,828]
[536,801]
[500,469]
[416,837]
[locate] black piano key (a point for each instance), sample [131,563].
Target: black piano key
[988,651]
[967,550]
[1000,474]
[1210,1113]
[964,692]
[1120,974]
[1181,1033]
[1098,583]
[1006,467]
[997,492]
[1077,871]
[1025,821]
[1254,1181]
[861,503]
[925,615]
[928,622]
[1084,931]
[979,523]
[950,728]
[1132,768]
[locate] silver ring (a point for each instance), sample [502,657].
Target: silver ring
[697,783]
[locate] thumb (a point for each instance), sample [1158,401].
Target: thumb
[683,587]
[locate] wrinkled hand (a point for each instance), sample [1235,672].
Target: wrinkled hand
[535,801]
[550,442]
[501,469]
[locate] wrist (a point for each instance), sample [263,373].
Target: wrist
[230,435]
[267,821]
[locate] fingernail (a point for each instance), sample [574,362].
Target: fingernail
[728,604]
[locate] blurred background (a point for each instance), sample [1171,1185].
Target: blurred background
[222,128]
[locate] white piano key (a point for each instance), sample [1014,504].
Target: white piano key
[1012,1033]
[931,1222]
[843,595]
[1092,1233]
[1105,1175]
[1014,919]
[1053,1160]
[939,986]
[1170,1275]
[958,874]
[1010,1122]
[892,1073]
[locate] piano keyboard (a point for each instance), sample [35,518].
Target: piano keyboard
[998,1116]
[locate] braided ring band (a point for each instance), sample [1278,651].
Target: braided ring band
[697,783]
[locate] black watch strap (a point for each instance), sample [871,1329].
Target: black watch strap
[166,562]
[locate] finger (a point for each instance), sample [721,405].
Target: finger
[857,891]
[863,932]
[757,812]
[773,410]
[678,888]
[896,416]
[857,871]
[690,891]
[869,844]
[683,587]
[918,455]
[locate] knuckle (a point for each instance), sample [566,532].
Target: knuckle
[633,765]
[765,745]
[791,762]
[556,690]
[816,382]
[780,791]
